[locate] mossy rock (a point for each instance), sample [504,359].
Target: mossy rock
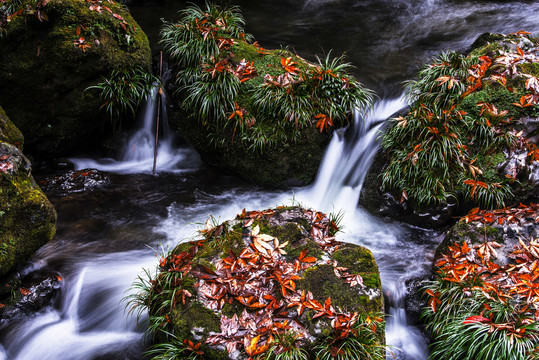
[469,138]
[27,218]
[50,54]
[9,132]
[265,115]
[293,161]
[290,164]
[278,271]
[475,233]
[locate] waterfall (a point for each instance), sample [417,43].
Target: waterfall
[337,188]
[138,154]
[349,157]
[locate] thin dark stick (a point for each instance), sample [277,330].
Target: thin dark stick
[159,93]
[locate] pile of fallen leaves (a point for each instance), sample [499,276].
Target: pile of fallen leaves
[262,279]
[507,215]
[515,284]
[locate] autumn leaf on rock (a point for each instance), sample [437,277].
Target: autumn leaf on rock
[304,258]
[289,65]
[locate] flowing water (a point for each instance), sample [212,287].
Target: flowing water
[138,154]
[105,237]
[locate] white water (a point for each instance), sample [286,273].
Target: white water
[349,157]
[138,155]
[337,188]
[90,320]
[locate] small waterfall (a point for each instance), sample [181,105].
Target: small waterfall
[337,188]
[349,157]
[137,156]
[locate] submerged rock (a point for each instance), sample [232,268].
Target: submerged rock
[75,181]
[267,282]
[32,296]
[50,52]
[27,218]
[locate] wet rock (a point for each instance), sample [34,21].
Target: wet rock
[273,271]
[414,299]
[505,234]
[384,204]
[30,297]
[27,218]
[75,182]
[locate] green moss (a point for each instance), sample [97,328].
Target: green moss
[9,132]
[356,258]
[41,60]
[27,218]
[194,315]
[323,283]
[372,280]
[529,68]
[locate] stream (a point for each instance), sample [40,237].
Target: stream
[105,237]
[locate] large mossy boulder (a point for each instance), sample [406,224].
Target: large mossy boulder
[51,51]
[483,298]
[470,136]
[266,283]
[27,218]
[263,114]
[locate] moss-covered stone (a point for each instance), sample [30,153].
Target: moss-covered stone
[47,65]
[27,218]
[476,233]
[289,164]
[231,289]
[9,132]
[491,117]
[262,114]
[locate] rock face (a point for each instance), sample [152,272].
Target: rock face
[251,282]
[51,52]
[27,218]
[292,164]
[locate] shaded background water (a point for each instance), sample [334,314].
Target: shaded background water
[105,237]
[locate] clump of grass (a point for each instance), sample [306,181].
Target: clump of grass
[442,149]
[124,91]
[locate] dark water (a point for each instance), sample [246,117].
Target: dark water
[106,236]
[385,39]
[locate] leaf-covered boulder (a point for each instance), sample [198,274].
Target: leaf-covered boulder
[27,218]
[482,301]
[470,136]
[243,106]
[266,283]
[51,51]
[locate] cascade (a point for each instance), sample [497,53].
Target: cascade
[90,320]
[349,157]
[337,188]
[138,154]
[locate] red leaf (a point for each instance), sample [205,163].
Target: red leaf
[476,319]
